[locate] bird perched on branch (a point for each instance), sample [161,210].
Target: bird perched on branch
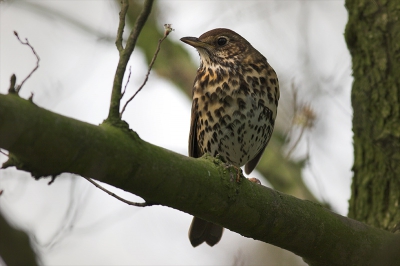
[235,100]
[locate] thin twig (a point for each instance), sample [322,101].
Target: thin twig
[37,62]
[296,142]
[2,152]
[304,116]
[168,29]
[121,25]
[137,204]
[127,82]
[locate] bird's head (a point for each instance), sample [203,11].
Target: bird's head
[220,45]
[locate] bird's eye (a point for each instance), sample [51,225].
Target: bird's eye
[222,41]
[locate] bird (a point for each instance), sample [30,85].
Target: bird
[235,99]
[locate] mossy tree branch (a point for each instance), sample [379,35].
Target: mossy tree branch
[44,143]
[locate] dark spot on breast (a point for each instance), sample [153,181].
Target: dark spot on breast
[228,101]
[234,82]
[219,78]
[215,136]
[240,129]
[213,97]
[201,134]
[255,67]
[270,98]
[221,72]
[231,128]
[261,103]
[244,89]
[216,127]
[263,80]
[218,111]
[225,86]
[241,103]
[236,113]
[210,117]
[210,71]
[204,81]
[208,146]
[205,108]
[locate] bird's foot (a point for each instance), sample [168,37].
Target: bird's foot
[254,180]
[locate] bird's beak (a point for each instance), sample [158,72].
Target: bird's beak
[195,42]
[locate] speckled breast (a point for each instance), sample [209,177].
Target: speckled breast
[236,113]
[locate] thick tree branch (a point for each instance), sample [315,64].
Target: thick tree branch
[45,143]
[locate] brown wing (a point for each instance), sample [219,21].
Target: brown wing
[250,165]
[194,150]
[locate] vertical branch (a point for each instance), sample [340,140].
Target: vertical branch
[125,54]
[121,26]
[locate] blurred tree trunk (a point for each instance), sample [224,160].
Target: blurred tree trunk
[373,38]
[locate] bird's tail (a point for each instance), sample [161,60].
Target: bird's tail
[202,231]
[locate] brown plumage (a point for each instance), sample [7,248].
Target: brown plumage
[235,100]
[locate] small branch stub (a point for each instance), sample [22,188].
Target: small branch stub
[13,80]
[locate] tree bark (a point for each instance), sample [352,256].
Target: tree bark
[373,38]
[45,143]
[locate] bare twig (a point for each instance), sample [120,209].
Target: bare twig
[127,82]
[167,31]
[121,26]
[295,143]
[2,152]
[303,116]
[137,204]
[37,61]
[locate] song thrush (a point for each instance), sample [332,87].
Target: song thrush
[235,100]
